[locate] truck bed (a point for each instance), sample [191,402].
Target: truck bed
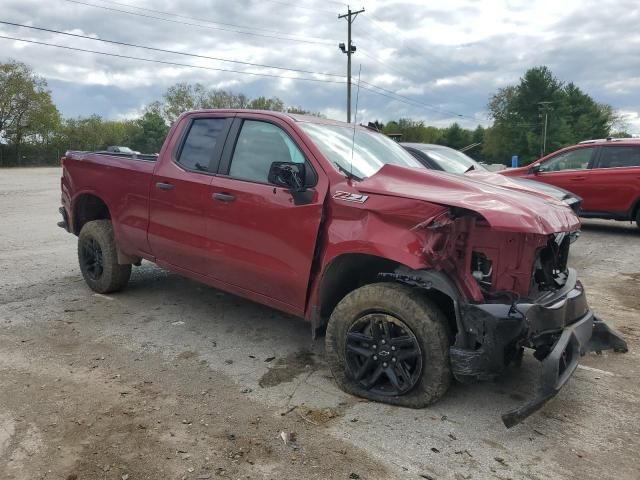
[123,181]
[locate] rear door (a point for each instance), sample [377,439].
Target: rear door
[569,170]
[615,179]
[181,191]
[263,242]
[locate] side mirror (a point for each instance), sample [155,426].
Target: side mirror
[293,176]
[536,169]
[289,175]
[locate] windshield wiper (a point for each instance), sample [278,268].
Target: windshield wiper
[472,167]
[349,174]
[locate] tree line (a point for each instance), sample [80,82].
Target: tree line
[33,132]
[519,113]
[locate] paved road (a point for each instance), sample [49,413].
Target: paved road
[172,379]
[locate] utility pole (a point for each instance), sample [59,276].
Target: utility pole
[544,107]
[349,50]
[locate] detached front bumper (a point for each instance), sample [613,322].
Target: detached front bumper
[559,326]
[557,367]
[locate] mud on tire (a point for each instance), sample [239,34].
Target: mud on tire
[98,258]
[414,349]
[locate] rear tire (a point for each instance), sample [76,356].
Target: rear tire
[411,368]
[98,258]
[638,217]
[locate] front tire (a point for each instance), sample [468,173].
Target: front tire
[388,343]
[638,217]
[98,258]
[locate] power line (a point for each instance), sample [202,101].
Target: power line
[318,42]
[376,20]
[384,64]
[417,102]
[297,5]
[164,12]
[405,75]
[129,57]
[411,103]
[175,52]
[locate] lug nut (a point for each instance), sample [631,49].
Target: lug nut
[393,347]
[374,346]
[383,341]
[385,364]
[375,357]
[393,359]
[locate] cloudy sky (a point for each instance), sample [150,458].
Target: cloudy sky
[443,59]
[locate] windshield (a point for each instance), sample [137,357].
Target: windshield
[452,161]
[371,150]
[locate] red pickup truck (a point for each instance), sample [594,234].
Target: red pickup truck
[605,173]
[416,276]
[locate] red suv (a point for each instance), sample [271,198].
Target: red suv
[605,173]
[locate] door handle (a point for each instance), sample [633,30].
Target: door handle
[223,197]
[577,179]
[165,186]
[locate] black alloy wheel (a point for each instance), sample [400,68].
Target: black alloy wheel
[91,256]
[383,355]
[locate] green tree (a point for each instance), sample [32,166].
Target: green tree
[151,133]
[183,97]
[264,103]
[456,137]
[95,133]
[519,113]
[302,111]
[27,112]
[413,131]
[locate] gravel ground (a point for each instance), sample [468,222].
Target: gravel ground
[171,379]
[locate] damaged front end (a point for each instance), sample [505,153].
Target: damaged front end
[514,291]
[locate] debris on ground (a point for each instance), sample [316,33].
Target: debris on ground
[287,437]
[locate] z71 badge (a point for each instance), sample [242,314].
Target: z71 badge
[350,197]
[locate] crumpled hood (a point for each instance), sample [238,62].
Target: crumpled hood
[522,184]
[502,181]
[504,208]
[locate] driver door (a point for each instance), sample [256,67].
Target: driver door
[263,242]
[569,170]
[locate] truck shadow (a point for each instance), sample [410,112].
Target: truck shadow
[274,355]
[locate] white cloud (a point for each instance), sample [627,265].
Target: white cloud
[451,55]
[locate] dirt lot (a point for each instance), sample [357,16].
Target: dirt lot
[171,379]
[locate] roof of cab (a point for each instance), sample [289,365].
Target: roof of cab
[292,116]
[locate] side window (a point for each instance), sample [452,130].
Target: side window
[200,145]
[612,157]
[259,145]
[571,160]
